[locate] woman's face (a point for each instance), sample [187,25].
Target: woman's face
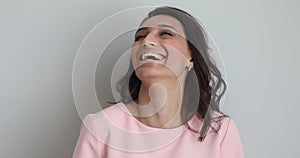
[160,49]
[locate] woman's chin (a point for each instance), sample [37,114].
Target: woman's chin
[151,75]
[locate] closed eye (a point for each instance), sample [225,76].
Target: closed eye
[165,33]
[139,37]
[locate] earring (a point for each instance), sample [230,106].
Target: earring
[188,67]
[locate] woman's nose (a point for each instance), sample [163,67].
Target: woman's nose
[149,41]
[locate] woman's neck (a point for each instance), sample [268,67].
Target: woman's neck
[159,104]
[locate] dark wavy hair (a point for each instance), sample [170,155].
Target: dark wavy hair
[210,84]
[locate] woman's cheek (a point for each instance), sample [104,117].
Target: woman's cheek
[176,61]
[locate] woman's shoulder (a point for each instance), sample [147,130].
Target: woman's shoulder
[229,138]
[221,125]
[104,115]
[113,109]
[227,128]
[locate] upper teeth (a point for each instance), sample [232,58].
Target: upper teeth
[149,54]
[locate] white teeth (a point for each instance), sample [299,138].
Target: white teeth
[153,56]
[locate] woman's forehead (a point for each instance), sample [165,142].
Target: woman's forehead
[164,21]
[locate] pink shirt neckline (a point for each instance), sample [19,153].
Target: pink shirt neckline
[193,122]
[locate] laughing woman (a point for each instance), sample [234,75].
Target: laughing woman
[170,98]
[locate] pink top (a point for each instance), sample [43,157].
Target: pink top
[115,133]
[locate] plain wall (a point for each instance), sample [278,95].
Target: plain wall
[258,40]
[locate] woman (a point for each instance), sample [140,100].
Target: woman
[171,106]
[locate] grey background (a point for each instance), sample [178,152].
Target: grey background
[258,39]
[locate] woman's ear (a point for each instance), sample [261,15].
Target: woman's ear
[189,65]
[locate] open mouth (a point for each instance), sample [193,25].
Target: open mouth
[150,56]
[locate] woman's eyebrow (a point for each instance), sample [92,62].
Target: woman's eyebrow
[160,26]
[165,25]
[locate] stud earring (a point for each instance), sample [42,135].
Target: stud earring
[188,67]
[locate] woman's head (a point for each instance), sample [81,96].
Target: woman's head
[160,50]
[191,49]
